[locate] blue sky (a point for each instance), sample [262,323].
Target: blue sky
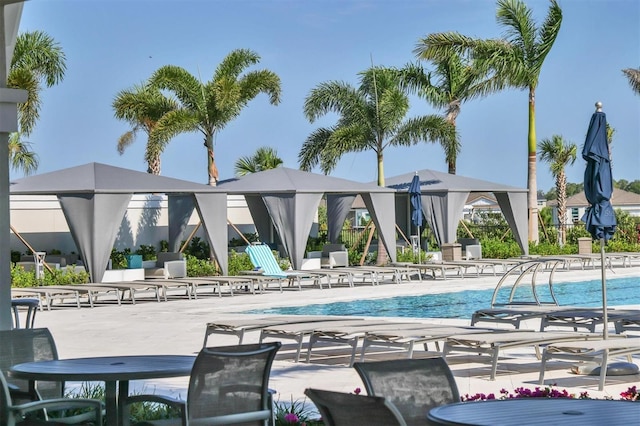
[112,45]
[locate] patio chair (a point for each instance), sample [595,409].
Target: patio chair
[31,413]
[414,386]
[26,345]
[30,305]
[227,385]
[262,258]
[345,409]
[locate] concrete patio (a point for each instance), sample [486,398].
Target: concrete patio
[177,327]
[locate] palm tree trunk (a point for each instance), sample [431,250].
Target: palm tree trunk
[153,166]
[561,189]
[532,184]
[382,257]
[212,169]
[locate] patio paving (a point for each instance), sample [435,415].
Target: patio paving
[178,326]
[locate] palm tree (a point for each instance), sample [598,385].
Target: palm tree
[208,107]
[37,59]
[265,158]
[20,155]
[559,154]
[142,106]
[456,81]
[633,75]
[515,62]
[372,117]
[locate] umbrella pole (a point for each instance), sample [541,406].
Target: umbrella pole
[419,245]
[605,315]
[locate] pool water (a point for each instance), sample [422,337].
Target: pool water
[620,291]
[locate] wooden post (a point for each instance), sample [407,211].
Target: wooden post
[30,248]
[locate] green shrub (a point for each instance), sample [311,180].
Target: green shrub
[198,248]
[239,262]
[148,252]
[295,413]
[200,267]
[21,278]
[409,256]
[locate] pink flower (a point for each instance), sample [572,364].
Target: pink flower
[291,418]
[357,391]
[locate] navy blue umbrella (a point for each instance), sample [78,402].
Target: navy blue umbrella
[415,195]
[599,218]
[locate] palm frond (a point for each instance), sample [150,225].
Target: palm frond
[39,53]
[184,86]
[633,75]
[311,151]
[235,63]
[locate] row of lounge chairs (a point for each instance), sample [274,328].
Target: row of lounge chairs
[490,343]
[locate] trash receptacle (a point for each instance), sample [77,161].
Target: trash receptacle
[134,261]
[451,252]
[585,245]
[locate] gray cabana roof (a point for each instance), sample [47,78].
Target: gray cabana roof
[291,197]
[444,196]
[94,198]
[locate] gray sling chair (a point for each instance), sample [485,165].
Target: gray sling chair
[31,413]
[227,385]
[26,345]
[346,409]
[414,386]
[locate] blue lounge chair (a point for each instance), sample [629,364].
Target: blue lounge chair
[262,258]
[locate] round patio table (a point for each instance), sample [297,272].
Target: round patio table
[115,371]
[537,411]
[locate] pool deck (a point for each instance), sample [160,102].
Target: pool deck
[177,327]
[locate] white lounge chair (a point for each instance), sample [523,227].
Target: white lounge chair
[493,343]
[594,350]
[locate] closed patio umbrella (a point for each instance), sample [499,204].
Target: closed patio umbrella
[415,195]
[600,219]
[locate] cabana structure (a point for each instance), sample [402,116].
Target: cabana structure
[94,198]
[444,196]
[289,199]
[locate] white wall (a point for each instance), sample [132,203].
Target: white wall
[40,221]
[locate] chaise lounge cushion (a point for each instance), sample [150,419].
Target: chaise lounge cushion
[168,265]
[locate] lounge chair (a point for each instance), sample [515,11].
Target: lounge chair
[594,350]
[75,292]
[625,320]
[433,268]
[408,337]
[239,326]
[414,386]
[299,332]
[515,314]
[346,409]
[263,259]
[493,343]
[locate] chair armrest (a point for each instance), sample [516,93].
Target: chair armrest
[60,404]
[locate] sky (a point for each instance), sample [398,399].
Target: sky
[112,45]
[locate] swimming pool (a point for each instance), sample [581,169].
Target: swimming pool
[620,291]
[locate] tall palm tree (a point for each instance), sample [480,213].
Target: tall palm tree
[20,155]
[559,153]
[633,75]
[142,106]
[265,158]
[208,107]
[516,62]
[37,59]
[452,82]
[371,118]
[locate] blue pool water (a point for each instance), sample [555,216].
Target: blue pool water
[620,291]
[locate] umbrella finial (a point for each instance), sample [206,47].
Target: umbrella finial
[598,106]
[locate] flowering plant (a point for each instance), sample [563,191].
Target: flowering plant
[295,413]
[521,392]
[631,394]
